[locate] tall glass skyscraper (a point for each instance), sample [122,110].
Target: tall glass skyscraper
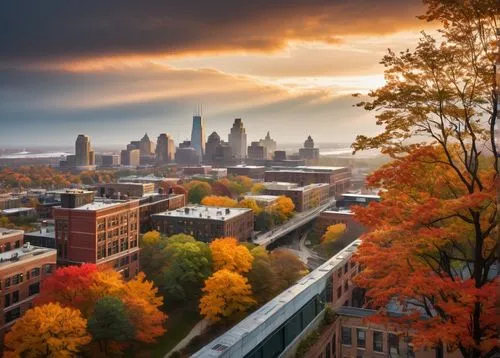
[198,135]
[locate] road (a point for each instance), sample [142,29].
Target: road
[297,221]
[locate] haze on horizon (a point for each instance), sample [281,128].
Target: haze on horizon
[115,72]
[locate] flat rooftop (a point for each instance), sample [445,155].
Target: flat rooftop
[16,210]
[70,191]
[368,196]
[24,253]
[306,169]
[293,186]
[204,212]
[267,198]
[246,166]
[7,233]
[149,178]
[339,211]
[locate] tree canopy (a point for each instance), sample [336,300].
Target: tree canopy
[228,253]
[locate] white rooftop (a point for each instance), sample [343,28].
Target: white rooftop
[247,166]
[261,197]
[355,195]
[16,210]
[24,252]
[293,186]
[205,212]
[6,233]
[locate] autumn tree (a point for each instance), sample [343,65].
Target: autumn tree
[153,255]
[47,331]
[262,277]
[197,190]
[250,204]
[431,245]
[287,267]
[110,323]
[221,188]
[227,253]
[331,238]
[223,201]
[284,206]
[226,294]
[258,188]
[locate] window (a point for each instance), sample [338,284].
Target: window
[7,282]
[393,344]
[17,244]
[327,351]
[15,297]
[7,300]
[12,314]
[346,285]
[17,278]
[35,272]
[334,346]
[34,288]
[134,257]
[346,267]
[47,268]
[378,341]
[7,246]
[339,292]
[339,273]
[346,336]
[361,336]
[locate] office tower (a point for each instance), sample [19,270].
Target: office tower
[309,152]
[146,146]
[198,135]
[83,151]
[102,232]
[269,146]
[165,149]
[211,147]
[130,157]
[186,154]
[256,151]
[238,140]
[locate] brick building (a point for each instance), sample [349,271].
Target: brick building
[206,223]
[304,197]
[337,177]
[22,269]
[124,189]
[251,171]
[102,232]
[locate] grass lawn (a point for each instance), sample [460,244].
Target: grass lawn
[180,321]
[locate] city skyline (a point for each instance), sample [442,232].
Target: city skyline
[304,64]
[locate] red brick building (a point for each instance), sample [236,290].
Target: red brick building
[22,269]
[338,177]
[102,232]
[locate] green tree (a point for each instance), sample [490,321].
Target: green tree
[198,191]
[153,255]
[110,323]
[189,264]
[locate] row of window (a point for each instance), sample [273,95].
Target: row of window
[19,278]
[378,339]
[12,298]
[8,246]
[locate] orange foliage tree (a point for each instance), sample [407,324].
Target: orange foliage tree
[226,294]
[250,204]
[228,253]
[47,331]
[285,206]
[82,286]
[431,245]
[223,201]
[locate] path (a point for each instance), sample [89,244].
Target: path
[196,331]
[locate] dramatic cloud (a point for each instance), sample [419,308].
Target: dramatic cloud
[41,32]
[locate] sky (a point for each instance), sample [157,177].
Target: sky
[117,69]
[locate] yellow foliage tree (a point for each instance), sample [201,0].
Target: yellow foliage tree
[333,233]
[228,254]
[223,201]
[226,293]
[143,303]
[250,204]
[258,188]
[47,331]
[151,237]
[285,206]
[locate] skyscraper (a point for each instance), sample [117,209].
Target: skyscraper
[84,155]
[269,146]
[213,142]
[238,139]
[198,135]
[165,149]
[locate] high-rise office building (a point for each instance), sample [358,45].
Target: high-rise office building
[213,142]
[238,139]
[269,145]
[165,149]
[84,155]
[198,135]
[309,152]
